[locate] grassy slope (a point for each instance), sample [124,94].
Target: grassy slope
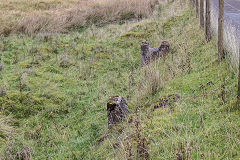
[179,131]
[61,112]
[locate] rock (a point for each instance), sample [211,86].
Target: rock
[149,54]
[26,153]
[117,110]
[146,54]
[164,48]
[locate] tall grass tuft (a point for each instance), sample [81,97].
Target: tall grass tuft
[152,78]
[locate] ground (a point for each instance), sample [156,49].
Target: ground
[57,88]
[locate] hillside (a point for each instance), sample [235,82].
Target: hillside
[54,89]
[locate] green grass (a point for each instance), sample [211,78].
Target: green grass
[58,86]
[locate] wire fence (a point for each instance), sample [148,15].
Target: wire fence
[231,33]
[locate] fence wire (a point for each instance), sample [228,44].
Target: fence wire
[231,33]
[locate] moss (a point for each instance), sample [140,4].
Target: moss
[52,69]
[133,34]
[102,56]
[111,101]
[16,103]
[176,21]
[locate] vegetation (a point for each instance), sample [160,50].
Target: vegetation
[56,88]
[51,16]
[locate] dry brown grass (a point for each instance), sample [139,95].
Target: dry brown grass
[60,16]
[152,78]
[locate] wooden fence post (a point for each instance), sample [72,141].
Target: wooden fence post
[220,29]
[201,14]
[238,95]
[197,9]
[207,25]
[190,3]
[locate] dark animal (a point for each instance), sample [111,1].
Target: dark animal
[149,54]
